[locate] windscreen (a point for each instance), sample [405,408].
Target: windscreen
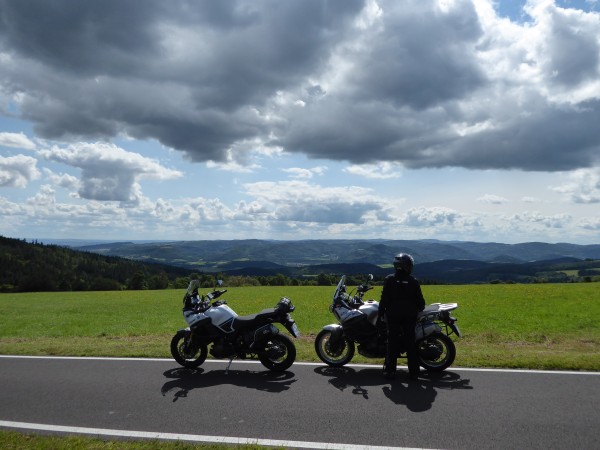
[339,287]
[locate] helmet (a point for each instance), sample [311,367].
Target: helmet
[405,262]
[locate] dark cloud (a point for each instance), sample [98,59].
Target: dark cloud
[551,139]
[421,83]
[82,37]
[419,57]
[574,54]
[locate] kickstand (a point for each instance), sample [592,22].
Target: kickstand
[229,365]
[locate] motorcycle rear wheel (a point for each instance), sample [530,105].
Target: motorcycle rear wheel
[185,352]
[436,352]
[277,352]
[337,356]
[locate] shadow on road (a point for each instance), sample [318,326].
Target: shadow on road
[417,395]
[185,380]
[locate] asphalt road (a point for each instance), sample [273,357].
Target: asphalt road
[307,406]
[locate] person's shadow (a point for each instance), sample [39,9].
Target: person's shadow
[417,396]
[185,380]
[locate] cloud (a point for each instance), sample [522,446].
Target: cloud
[492,199]
[298,172]
[17,171]
[536,219]
[108,173]
[299,201]
[583,186]
[63,180]
[422,84]
[382,171]
[426,217]
[17,140]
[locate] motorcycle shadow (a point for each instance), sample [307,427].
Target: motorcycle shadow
[417,395]
[185,380]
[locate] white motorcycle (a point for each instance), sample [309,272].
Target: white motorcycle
[358,326]
[231,336]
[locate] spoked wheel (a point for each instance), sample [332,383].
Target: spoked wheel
[277,352]
[186,352]
[334,354]
[436,352]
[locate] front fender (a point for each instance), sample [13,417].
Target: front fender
[337,332]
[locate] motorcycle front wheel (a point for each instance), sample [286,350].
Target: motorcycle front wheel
[187,353]
[334,355]
[277,352]
[436,352]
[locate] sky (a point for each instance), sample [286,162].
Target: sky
[471,120]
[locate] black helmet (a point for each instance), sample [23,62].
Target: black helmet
[405,262]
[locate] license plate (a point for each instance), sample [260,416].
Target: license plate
[456,330]
[295,330]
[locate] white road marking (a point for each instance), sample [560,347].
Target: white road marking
[316,364]
[192,437]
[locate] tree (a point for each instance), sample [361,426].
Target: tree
[138,282]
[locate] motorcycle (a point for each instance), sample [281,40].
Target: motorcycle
[231,336]
[358,325]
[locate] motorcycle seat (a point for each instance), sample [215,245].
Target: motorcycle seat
[246,321]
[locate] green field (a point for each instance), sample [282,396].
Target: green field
[537,326]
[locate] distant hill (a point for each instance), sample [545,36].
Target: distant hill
[213,255]
[119,265]
[437,261]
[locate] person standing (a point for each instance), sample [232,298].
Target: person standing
[401,301]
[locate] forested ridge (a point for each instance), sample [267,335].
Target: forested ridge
[37,267]
[32,267]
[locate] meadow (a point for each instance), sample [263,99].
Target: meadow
[535,326]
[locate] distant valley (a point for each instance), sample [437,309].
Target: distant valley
[436,261]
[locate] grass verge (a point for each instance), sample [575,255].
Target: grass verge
[12,440]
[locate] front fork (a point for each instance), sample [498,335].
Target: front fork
[337,335]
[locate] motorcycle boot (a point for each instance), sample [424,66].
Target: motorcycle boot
[388,371]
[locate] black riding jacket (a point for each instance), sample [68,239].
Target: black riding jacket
[401,297]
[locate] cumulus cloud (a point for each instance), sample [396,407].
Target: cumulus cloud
[424,84]
[424,217]
[382,171]
[63,180]
[17,140]
[583,186]
[17,171]
[299,201]
[108,172]
[539,219]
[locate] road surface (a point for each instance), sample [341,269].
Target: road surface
[309,406]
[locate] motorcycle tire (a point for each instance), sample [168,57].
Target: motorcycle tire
[436,352]
[334,357]
[186,353]
[276,352]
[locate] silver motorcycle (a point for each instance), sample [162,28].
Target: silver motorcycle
[215,328]
[359,328]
